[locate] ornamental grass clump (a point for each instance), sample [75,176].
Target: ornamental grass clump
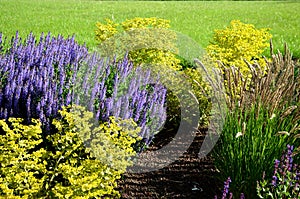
[249,141]
[60,165]
[258,124]
[276,86]
[285,180]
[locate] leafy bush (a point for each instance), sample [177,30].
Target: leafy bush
[285,180]
[189,78]
[148,40]
[237,42]
[60,165]
[106,31]
[114,138]
[22,162]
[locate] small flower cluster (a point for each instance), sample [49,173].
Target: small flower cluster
[226,191]
[285,179]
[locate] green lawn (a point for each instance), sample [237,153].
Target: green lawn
[196,19]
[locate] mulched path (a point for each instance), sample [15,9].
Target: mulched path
[188,177]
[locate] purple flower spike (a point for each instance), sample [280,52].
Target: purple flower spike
[226,188]
[242,196]
[35,68]
[124,91]
[274,181]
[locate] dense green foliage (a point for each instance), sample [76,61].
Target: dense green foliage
[62,165]
[248,146]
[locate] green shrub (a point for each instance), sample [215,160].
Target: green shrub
[105,31]
[111,142]
[237,42]
[152,42]
[62,165]
[202,92]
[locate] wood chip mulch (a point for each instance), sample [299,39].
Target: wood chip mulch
[188,177]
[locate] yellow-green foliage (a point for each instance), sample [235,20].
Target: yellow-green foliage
[180,84]
[201,90]
[87,177]
[21,164]
[111,142]
[237,42]
[148,40]
[65,167]
[151,22]
[105,31]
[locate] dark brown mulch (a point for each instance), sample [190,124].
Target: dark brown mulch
[188,177]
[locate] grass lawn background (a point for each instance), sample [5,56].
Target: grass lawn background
[196,19]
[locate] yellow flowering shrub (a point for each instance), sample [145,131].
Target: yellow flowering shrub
[237,42]
[22,166]
[105,31]
[151,22]
[148,40]
[63,165]
[111,142]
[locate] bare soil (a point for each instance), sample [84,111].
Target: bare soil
[188,177]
